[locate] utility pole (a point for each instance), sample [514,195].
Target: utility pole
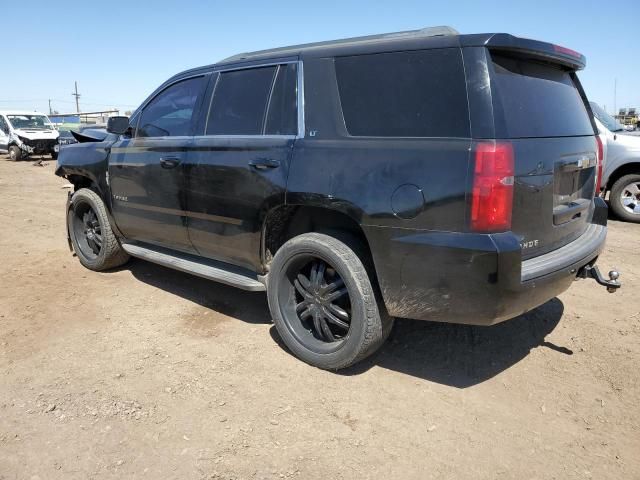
[77,95]
[50,111]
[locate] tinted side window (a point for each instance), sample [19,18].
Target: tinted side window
[170,113]
[133,123]
[282,118]
[404,94]
[3,126]
[538,100]
[240,101]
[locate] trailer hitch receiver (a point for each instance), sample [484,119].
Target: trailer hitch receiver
[591,271]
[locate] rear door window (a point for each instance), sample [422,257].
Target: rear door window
[282,118]
[404,94]
[240,101]
[537,99]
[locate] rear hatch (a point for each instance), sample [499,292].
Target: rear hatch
[539,107]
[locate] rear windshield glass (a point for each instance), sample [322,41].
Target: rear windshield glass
[404,94]
[538,100]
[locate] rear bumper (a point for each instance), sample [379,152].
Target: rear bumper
[473,278]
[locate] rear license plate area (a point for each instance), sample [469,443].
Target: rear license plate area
[573,191]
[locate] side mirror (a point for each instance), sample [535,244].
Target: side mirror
[118,125]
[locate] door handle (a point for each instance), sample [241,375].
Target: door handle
[169,162]
[264,163]
[579,163]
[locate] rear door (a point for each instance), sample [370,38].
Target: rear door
[237,170]
[540,108]
[146,172]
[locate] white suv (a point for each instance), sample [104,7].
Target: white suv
[25,133]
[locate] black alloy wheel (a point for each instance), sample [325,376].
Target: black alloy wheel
[90,232]
[87,230]
[322,305]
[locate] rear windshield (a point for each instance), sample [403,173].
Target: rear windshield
[404,94]
[537,100]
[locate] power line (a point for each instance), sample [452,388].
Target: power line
[77,95]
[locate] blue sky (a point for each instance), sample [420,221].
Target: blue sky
[119,51]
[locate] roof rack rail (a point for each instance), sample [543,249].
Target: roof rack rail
[439,31]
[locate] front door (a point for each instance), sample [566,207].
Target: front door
[4,134]
[146,169]
[237,170]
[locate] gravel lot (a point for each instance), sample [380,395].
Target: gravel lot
[149,373]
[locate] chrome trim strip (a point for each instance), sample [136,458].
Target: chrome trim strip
[254,65]
[301,109]
[231,137]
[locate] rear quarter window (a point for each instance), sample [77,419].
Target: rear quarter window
[404,94]
[536,99]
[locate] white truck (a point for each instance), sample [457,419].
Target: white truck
[25,133]
[621,175]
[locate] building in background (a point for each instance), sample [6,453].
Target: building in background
[68,121]
[629,117]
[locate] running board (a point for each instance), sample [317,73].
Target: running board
[209,269]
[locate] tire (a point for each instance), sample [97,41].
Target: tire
[87,222]
[625,198]
[299,306]
[15,154]
[54,155]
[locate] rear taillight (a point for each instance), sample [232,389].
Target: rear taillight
[492,196]
[600,161]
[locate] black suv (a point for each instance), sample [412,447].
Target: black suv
[424,174]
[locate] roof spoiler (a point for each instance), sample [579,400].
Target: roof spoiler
[535,49]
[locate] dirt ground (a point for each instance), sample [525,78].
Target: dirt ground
[149,373]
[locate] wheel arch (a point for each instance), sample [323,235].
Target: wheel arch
[287,221]
[621,171]
[83,181]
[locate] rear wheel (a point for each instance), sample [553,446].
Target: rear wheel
[93,240]
[625,198]
[15,153]
[323,303]
[54,155]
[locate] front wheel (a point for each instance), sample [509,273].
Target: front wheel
[625,198]
[93,240]
[15,153]
[323,303]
